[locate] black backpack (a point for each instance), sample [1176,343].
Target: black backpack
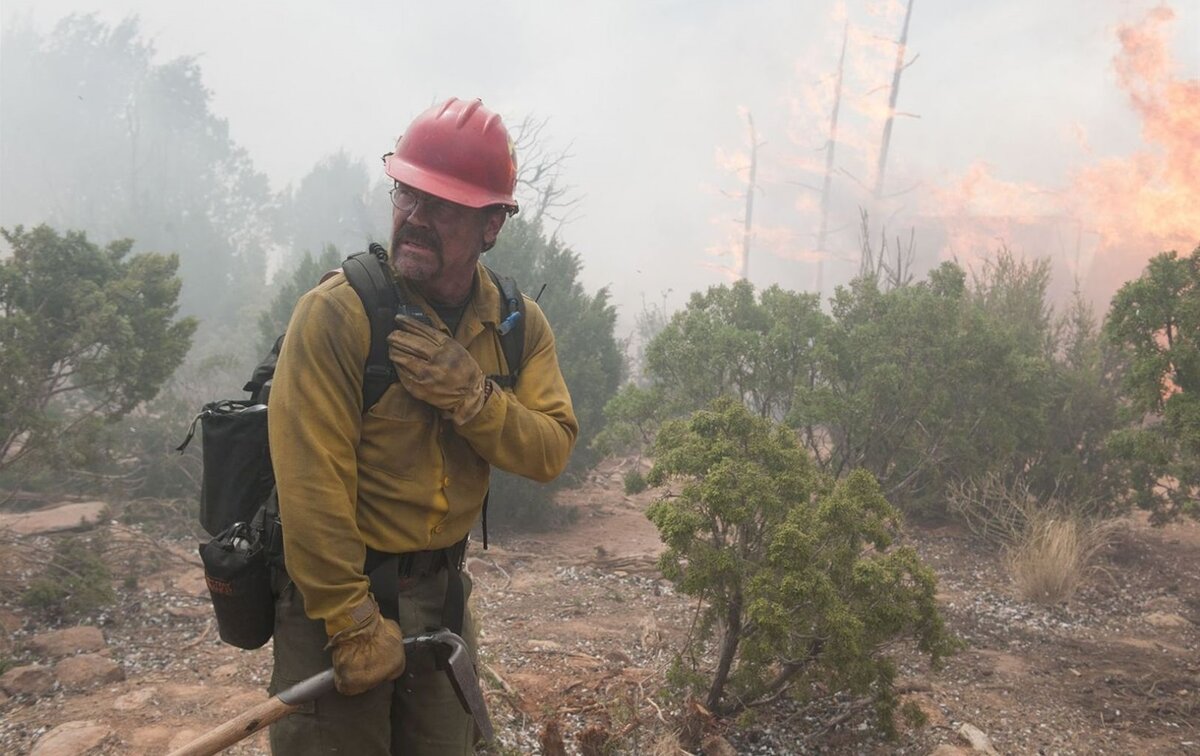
[237,476]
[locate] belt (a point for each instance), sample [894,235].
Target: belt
[385,578]
[419,564]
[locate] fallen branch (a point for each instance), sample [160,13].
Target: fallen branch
[641,564]
[492,563]
[200,639]
[509,693]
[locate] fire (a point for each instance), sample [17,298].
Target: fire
[1148,201]
[1114,214]
[980,212]
[1100,222]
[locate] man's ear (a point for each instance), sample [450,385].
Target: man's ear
[493,224]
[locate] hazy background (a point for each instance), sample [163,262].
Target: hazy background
[1068,128]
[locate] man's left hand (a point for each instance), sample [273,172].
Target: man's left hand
[437,369]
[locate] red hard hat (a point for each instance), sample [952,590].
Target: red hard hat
[459,151]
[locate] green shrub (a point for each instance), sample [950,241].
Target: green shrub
[75,582]
[1155,324]
[635,482]
[798,579]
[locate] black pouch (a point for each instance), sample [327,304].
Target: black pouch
[239,581]
[237,462]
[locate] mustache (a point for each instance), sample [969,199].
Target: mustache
[426,237]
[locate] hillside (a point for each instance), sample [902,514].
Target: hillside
[578,630]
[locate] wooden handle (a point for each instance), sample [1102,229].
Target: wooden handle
[241,726]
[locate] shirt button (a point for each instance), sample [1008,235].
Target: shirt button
[446,482]
[437,529]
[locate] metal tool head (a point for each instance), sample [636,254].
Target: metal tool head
[452,652]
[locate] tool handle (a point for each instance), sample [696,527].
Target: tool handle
[247,723]
[242,726]
[286,701]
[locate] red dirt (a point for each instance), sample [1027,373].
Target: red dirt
[579,628]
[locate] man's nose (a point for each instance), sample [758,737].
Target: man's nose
[417,215]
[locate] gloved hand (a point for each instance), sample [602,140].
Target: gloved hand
[368,653]
[437,369]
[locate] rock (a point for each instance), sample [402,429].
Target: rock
[75,516]
[86,670]
[72,640]
[977,738]
[4,698]
[1167,620]
[72,739]
[30,680]
[135,699]
[715,745]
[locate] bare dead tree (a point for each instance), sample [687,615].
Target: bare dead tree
[540,173]
[893,95]
[830,150]
[890,274]
[751,186]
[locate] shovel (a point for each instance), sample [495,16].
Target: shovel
[450,649]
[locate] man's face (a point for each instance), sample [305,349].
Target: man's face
[435,241]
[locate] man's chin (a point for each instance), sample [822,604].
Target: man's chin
[414,270]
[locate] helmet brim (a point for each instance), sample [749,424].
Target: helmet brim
[444,187]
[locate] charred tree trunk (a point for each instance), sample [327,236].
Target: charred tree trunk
[830,150]
[893,95]
[748,222]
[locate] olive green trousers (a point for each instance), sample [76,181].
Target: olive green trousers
[417,715]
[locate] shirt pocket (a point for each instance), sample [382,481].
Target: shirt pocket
[399,437]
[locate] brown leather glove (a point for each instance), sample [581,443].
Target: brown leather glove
[437,369]
[367,654]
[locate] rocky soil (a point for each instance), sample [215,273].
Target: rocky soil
[578,632]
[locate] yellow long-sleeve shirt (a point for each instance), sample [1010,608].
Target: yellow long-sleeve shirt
[399,478]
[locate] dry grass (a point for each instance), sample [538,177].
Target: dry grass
[1055,555]
[1049,545]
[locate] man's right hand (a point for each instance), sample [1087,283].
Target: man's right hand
[437,370]
[367,654]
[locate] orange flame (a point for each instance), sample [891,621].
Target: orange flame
[1100,225]
[1129,208]
[1149,201]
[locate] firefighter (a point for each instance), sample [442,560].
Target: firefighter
[376,508]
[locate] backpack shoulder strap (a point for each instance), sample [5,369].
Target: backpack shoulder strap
[259,384]
[511,328]
[368,273]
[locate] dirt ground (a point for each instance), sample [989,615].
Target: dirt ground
[579,629]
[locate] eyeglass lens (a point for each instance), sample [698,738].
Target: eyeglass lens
[406,200]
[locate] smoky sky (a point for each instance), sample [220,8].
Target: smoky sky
[651,99]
